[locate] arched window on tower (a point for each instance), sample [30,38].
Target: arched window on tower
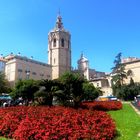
[62,42]
[54,42]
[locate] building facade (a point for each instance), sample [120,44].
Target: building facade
[98,79]
[132,69]
[103,84]
[59,49]
[20,68]
[2,64]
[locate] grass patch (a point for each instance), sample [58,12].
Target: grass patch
[127,122]
[2,138]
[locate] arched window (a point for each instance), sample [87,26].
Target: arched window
[62,42]
[130,73]
[54,42]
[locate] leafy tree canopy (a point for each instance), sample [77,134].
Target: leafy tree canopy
[4,84]
[25,89]
[118,71]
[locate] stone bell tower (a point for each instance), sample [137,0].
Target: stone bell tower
[59,49]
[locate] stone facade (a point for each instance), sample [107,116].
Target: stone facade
[20,68]
[103,84]
[132,64]
[59,49]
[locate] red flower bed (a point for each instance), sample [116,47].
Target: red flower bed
[10,120]
[56,123]
[102,105]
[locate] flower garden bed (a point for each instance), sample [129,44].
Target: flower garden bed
[102,105]
[55,123]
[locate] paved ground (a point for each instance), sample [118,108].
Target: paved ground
[135,107]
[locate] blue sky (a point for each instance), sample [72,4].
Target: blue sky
[99,28]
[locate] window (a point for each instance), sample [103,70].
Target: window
[54,42]
[19,76]
[97,84]
[19,70]
[62,42]
[41,74]
[33,73]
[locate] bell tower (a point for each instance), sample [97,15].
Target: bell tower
[59,49]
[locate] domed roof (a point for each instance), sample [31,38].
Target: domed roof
[82,59]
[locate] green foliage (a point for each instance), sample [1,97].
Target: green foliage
[70,89]
[4,85]
[90,92]
[46,93]
[25,89]
[42,98]
[73,89]
[122,91]
[118,73]
[127,92]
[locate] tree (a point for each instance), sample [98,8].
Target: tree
[90,92]
[25,89]
[128,92]
[118,71]
[74,89]
[46,94]
[4,85]
[118,75]
[70,89]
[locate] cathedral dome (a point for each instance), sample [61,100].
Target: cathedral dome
[82,59]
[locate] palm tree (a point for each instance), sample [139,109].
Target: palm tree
[71,89]
[50,86]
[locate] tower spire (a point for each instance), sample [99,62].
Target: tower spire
[59,24]
[59,13]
